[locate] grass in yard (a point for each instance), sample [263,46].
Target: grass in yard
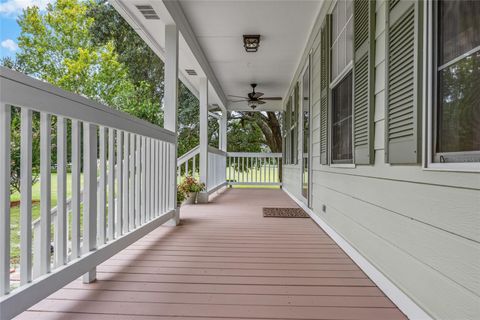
[15,213]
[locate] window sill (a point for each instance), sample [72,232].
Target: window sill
[453,167]
[343,165]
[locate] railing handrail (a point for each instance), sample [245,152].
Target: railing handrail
[24,91]
[216,151]
[187,156]
[255,154]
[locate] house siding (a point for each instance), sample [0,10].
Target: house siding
[420,228]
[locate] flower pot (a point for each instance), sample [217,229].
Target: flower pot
[191,199]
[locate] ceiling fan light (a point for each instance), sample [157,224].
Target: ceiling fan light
[251,42]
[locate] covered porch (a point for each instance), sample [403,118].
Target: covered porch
[226,261]
[384,239]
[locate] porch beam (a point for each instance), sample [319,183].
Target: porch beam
[203,91]
[170,108]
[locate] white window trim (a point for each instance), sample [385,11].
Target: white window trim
[428,110]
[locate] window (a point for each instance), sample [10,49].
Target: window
[342,93]
[342,121]
[342,37]
[456,107]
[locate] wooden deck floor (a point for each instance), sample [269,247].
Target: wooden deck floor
[226,262]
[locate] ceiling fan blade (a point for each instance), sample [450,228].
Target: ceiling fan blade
[260,102]
[237,96]
[271,98]
[258,95]
[244,100]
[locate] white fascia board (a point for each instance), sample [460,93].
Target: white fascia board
[178,16]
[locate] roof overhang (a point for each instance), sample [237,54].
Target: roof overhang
[211,43]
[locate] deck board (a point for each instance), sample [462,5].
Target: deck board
[226,262]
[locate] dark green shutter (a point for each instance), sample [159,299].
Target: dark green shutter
[325,36]
[403,80]
[287,133]
[363,80]
[284,135]
[296,103]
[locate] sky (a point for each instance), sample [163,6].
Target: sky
[9,29]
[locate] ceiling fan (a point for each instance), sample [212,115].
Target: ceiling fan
[254,98]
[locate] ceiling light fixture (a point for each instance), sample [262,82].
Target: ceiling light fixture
[251,42]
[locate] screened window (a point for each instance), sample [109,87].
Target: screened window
[342,121]
[342,37]
[457,111]
[342,55]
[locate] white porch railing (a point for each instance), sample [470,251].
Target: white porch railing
[251,168]
[217,162]
[133,161]
[188,165]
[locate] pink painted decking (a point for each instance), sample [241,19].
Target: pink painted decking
[226,262]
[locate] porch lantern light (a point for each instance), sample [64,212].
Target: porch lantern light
[251,42]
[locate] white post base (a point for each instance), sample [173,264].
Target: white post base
[202,197]
[175,220]
[90,276]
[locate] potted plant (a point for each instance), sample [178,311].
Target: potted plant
[191,187]
[180,197]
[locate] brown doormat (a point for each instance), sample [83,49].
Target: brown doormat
[284,213]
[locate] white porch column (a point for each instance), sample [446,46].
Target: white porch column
[223,132]
[203,91]
[170,111]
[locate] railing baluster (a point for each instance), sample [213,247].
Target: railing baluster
[157,177]
[152,179]
[89,194]
[61,221]
[120,191]
[143,180]
[148,178]
[131,184]
[243,169]
[269,169]
[102,187]
[26,197]
[126,191]
[265,162]
[75,189]
[45,196]
[168,177]
[111,184]
[138,174]
[237,169]
[160,178]
[5,120]
[194,166]
[165,171]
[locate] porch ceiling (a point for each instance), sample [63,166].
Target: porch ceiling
[284,27]
[211,42]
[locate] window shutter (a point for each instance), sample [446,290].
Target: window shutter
[325,41]
[403,80]
[296,103]
[287,133]
[284,135]
[363,80]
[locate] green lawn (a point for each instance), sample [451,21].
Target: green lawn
[15,213]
